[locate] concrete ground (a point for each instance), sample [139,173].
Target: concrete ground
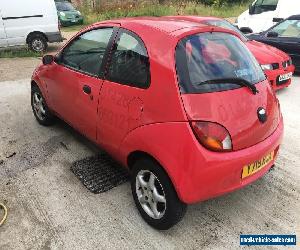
[16,68]
[50,209]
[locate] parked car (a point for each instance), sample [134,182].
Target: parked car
[191,118]
[31,22]
[263,14]
[67,14]
[284,36]
[276,64]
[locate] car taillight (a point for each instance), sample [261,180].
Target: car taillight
[212,136]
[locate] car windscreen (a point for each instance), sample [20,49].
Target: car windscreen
[261,6]
[205,57]
[287,28]
[226,25]
[64,6]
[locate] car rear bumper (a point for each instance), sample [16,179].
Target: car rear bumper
[54,37]
[221,173]
[273,77]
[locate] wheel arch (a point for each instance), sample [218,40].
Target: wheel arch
[37,83]
[34,84]
[157,142]
[32,33]
[134,156]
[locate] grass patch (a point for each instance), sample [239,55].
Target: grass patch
[72,28]
[134,9]
[13,53]
[128,8]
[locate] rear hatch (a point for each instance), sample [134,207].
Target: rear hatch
[237,111]
[203,58]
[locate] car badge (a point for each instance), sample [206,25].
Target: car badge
[262,115]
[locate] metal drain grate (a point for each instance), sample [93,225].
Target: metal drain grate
[100,173]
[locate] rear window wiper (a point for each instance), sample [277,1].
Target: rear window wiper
[238,81]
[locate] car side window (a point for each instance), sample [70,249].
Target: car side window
[288,28]
[129,61]
[265,5]
[86,52]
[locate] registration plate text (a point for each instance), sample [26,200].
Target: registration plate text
[257,166]
[285,77]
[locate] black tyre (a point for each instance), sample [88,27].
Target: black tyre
[37,43]
[40,108]
[155,196]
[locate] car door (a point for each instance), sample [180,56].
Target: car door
[76,77]
[122,94]
[3,40]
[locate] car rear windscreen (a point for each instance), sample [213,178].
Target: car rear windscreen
[202,58]
[227,25]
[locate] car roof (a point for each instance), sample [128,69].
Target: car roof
[163,24]
[162,27]
[294,17]
[195,18]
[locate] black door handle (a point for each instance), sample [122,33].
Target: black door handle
[87,89]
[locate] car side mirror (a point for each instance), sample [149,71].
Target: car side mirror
[48,59]
[251,9]
[272,34]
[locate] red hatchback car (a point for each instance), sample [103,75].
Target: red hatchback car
[277,64]
[184,106]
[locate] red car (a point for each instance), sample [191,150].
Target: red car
[276,63]
[185,107]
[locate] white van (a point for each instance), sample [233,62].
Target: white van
[32,22]
[263,14]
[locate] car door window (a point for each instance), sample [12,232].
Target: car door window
[85,53]
[129,61]
[265,5]
[288,28]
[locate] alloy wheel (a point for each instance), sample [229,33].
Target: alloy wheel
[150,194]
[38,45]
[39,106]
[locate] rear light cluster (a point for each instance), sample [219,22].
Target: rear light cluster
[212,136]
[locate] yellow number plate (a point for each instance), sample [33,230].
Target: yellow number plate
[256,166]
